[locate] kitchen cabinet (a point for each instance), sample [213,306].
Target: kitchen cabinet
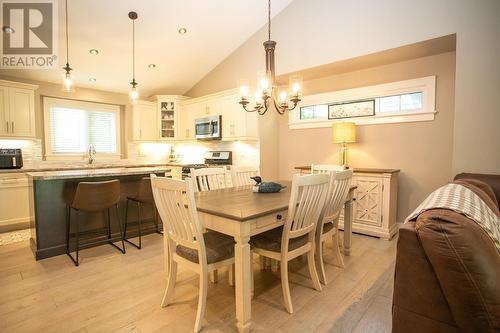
[237,124]
[17,109]
[145,121]
[14,201]
[169,116]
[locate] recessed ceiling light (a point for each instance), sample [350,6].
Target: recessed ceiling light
[151,66]
[8,30]
[94,51]
[182,31]
[92,79]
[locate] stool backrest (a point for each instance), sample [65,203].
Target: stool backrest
[338,189]
[145,193]
[307,200]
[240,175]
[326,168]
[175,202]
[96,196]
[208,179]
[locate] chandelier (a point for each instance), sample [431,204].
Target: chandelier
[267,89]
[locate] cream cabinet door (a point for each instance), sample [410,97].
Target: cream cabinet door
[187,116]
[368,204]
[22,112]
[145,123]
[4,112]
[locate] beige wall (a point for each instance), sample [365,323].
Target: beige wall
[314,33]
[421,150]
[83,94]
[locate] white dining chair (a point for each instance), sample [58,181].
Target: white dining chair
[328,227]
[326,168]
[240,175]
[297,236]
[208,179]
[185,243]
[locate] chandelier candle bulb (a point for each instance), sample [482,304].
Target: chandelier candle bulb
[244,91]
[283,97]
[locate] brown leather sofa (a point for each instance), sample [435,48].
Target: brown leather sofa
[447,276]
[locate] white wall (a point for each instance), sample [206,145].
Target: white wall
[316,32]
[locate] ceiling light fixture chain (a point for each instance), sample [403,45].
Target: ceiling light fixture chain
[134,94]
[267,84]
[67,80]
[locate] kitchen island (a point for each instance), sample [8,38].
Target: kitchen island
[51,191]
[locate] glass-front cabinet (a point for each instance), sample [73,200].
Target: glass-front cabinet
[169,107]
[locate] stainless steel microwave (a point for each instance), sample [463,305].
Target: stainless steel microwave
[208,128]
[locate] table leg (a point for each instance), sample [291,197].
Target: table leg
[348,216]
[243,259]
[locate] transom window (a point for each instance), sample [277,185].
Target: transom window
[72,126]
[402,101]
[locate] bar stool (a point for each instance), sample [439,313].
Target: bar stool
[143,197]
[92,197]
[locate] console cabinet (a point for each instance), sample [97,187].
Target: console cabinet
[375,201]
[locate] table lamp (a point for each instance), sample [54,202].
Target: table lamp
[344,133]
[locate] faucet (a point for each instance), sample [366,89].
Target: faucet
[91,153]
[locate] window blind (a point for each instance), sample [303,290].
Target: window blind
[73,129]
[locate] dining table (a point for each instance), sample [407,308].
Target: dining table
[241,213]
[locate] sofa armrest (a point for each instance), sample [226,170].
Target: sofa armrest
[418,302]
[467,266]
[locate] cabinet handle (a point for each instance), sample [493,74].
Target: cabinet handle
[7,123]
[140,134]
[12,127]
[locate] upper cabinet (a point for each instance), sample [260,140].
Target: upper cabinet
[17,109]
[157,119]
[144,116]
[237,124]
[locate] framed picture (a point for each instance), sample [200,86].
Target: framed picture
[351,109]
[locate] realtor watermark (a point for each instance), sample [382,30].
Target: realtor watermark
[29,34]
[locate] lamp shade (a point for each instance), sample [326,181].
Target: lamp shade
[344,132]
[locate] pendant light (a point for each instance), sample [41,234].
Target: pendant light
[134,93]
[268,90]
[67,83]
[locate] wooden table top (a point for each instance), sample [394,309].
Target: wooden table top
[241,204]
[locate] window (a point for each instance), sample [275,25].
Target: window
[71,126]
[403,101]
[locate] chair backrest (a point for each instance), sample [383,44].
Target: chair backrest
[326,168]
[175,202]
[307,200]
[240,175]
[338,189]
[96,196]
[208,179]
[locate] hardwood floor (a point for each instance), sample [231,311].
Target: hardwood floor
[111,292]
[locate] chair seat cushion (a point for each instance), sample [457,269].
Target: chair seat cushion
[271,241]
[327,227]
[219,247]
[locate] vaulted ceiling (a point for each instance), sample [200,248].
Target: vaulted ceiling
[215,29]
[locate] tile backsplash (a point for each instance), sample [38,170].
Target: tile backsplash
[244,152]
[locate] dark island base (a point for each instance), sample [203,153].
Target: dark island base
[48,207]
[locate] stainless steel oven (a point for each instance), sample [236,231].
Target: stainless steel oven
[208,128]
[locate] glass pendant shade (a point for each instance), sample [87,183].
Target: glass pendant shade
[134,95]
[67,82]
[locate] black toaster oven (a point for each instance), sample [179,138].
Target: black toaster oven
[11,158]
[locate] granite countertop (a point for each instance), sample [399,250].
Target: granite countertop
[98,172]
[44,168]
[361,170]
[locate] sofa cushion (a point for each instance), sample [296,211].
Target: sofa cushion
[467,265]
[218,246]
